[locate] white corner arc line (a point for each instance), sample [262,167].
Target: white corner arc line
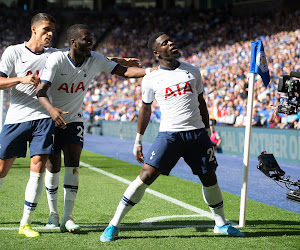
[154,219]
[155,193]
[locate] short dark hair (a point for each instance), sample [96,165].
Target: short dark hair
[73,31]
[42,17]
[152,40]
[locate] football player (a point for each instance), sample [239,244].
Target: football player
[184,132]
[26,120]
[67,75]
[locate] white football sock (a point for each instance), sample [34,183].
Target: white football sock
[133,194]
[2,181]
[213,198]
[71,180]
[32,195]
[51,183]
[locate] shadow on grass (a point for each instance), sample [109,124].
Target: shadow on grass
[255,228]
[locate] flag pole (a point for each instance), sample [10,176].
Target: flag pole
[243,203]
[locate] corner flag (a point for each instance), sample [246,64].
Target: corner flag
[258,63]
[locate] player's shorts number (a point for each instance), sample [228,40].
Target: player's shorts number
[80,133]
[211,154]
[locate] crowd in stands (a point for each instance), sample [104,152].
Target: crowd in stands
[216,41]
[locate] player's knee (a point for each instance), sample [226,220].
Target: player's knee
[72,161]
[38,164]
[5,166]
[149,174]
[208,179]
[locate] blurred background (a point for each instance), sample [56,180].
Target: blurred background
[213,35]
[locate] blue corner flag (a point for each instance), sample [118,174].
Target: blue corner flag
[258,63]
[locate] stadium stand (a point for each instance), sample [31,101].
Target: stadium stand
[215,41]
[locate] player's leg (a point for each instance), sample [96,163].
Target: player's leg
[133,194]
[212,196]
[40,146]
[72,154]
[5,166]
[161,158]
[13,144]
[205,166]
[51,182]
[33,193]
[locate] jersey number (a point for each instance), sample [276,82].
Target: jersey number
[211,154]
[80,133]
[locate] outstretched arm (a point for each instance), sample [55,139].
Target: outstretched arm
[55,113]
[6,83]
[127,62]
[130,72]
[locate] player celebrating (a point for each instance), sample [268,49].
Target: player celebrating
[69,74]
[27,120]
[178,89]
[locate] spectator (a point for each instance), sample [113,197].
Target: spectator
[215,139]
[274,119]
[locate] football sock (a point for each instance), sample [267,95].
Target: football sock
[213,198]
[51,183]
[32,195]
[70,190]
[132,196]
[2,181]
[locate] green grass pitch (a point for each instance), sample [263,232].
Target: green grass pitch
[169,226]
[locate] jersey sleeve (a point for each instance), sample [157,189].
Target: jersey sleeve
[104,63]
[147,91]
[199,84]
[7,62]
[50,68]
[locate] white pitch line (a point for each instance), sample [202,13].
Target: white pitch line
[155,219]
[140,226]
[160,195]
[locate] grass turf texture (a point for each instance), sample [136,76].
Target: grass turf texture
[267,227]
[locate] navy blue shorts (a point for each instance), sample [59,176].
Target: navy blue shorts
[39,134]
[73,134]
[194,146]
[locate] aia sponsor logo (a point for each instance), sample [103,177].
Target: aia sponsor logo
[181,89]
[30,73]
[71,88]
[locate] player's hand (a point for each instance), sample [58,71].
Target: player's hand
[55,114]
[31,79]
[138,152]
[131,62]
[154,68]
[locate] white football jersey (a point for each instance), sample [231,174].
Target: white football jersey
[18,61]
[176,92]
[69,83]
